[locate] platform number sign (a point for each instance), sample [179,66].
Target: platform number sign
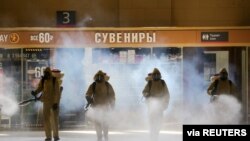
[66,18]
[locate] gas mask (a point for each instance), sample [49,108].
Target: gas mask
[99,78]
[223,76]
[156,76]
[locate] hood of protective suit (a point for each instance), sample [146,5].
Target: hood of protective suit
[47,69]
[100,72]
[223,74]
[47,72]
[223,70]
[156,75]
[156,71]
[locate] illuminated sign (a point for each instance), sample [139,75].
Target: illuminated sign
[119,37]
[125,37]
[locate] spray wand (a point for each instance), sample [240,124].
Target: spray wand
[28,101]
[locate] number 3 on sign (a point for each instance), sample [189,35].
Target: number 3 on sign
[66,18]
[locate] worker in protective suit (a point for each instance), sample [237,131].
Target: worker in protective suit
[51,93]
[222,85]
[157,97]
[101,95]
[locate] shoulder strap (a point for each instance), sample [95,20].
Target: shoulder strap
[54,81]
[149,85]
[230,85]
[107,85]
[93,87]
[163,82]
[215,86]
[42,82]
[216,83]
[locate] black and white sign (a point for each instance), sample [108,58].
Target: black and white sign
[66,18]
[214,36]
[216,132]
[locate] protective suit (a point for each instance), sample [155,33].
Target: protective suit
[157,97]
[101,95]
[51,94]
[222,85]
